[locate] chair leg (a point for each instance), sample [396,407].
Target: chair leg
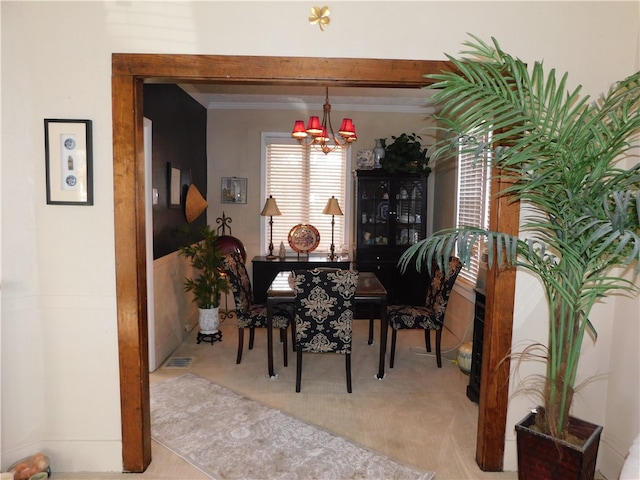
[285,349]
[252,334]
[293,336]
[427,339]
[370,342]
[438,356]
[392,354]
[240,342]
[348,367]
[298,368]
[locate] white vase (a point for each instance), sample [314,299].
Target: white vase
[378,154]
[208,320]
[465,355]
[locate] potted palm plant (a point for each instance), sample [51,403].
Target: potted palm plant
[209,285]
[561,156]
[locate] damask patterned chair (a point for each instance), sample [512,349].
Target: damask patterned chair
[252,315]
[432,315]
[324,300]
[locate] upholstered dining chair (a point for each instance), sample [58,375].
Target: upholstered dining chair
[324,300]
[253,315]
[429,317]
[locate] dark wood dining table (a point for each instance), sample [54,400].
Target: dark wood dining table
[369,291]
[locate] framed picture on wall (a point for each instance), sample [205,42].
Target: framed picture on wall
[174,186]
[234,190]
[68,162]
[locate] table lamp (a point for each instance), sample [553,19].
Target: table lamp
[332,209]
[270,209]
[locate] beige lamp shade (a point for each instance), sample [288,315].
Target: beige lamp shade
[332,207]
[270,208]
[194,204]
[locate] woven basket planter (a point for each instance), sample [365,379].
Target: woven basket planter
[541,456]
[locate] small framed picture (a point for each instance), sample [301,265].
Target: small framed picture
[68,162]
[174,186]
[234,190]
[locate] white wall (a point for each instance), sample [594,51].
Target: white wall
[175,314]
[622,415]
[60,384]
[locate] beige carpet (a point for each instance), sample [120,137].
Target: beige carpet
[226,435]
[418,415]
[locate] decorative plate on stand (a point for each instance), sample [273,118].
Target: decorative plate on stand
[304,238]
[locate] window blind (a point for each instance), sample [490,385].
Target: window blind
[473,201]
[302,180]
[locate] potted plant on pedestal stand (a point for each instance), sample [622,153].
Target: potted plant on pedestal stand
[209,286]
[564,157]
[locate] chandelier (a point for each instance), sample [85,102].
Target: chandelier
[320,134]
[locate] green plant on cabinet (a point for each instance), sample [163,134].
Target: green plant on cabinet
[405,154]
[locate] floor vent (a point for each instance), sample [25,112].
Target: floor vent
[179,362]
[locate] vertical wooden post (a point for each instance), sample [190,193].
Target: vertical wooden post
[498,327]
[131,290]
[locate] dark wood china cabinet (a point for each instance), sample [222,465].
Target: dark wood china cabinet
[391,214]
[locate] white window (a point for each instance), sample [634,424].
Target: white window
[302,179]
[473,201]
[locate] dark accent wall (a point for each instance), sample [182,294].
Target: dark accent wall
[179,139]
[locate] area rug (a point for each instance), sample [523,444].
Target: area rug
[228,436]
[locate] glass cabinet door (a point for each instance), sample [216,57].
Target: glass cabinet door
[391,216]
[373,212]
[408,225]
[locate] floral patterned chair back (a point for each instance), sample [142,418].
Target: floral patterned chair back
[439,291]
[236,271]
[429,317]
[251,315]
[324,302]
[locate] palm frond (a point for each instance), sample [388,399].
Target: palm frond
[560,153]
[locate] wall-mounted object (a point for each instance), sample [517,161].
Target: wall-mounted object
[320,16]
[68,162]
[194,204]
[174,186]
[234,190]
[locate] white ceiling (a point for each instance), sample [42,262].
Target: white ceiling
[225,96]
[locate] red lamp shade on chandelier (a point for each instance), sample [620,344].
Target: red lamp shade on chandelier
[320,134]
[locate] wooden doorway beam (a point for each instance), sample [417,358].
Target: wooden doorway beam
[129,71]
[504,216]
